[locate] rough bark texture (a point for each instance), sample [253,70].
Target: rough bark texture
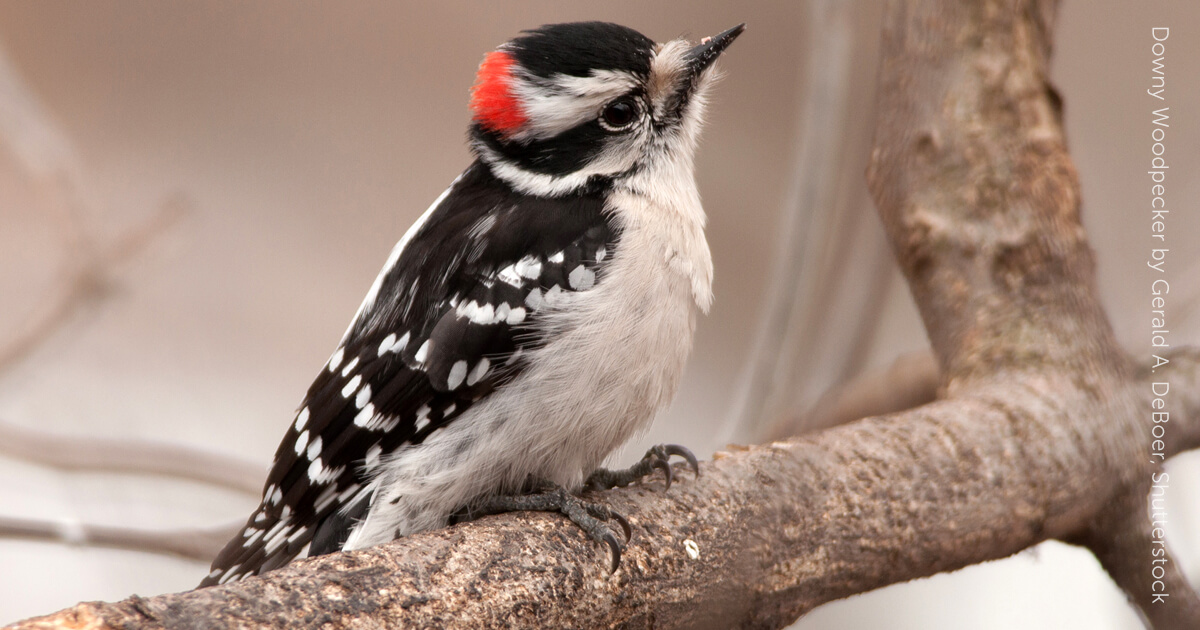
[1041,431]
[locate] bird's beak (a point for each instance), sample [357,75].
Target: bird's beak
[702,56]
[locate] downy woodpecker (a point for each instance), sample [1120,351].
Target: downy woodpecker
[533,319]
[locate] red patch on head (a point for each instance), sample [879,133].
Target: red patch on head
[492,100]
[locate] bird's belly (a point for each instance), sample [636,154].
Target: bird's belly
[586,391]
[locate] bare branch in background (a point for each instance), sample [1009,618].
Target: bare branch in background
[86,280]
[200,544]
[67,452]
[31,135]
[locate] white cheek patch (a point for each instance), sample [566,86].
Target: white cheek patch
[561,102]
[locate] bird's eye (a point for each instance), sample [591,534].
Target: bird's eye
[619,114]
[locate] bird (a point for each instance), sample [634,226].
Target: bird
[530,322]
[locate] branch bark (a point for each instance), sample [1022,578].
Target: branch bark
[1039,433]
[779,529]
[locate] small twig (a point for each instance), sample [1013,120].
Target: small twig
[194,543]
[87,280]
[67,452]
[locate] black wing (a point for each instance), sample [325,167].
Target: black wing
[442,332]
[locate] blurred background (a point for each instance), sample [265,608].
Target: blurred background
[195,197]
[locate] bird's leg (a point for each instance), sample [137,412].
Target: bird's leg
[657,457]
[546,496]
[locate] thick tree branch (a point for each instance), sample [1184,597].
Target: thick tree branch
[780,528]
[1183,400]
[1041,433]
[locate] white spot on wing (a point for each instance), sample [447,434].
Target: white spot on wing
[372,459]
[314,449]
[364,417]
[556,257]
[318,474]
[258,533]
[422,352]
[458,372]
[326,498]
[509,275]
[352,386]
[601,253]
[350,367]
[484,315]
[582,278]
[315,470]
[281,525]
[534,299]
[479,372]
[364,396]
[516,316]
[230,573]
[300,531]
[529,267]
[302,442]
[386,344]
[423,417]
[401,343]
[348,492]
[336,359]
[274,542]
[302,418]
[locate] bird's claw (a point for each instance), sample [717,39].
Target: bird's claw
[549,497]
[657,458]
[684,452]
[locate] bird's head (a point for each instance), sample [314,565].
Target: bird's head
[569,106]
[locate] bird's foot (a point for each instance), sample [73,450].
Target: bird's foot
[657,457]
[550,497]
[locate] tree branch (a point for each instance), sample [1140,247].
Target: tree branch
[69,452]
[194,543]
[780,529]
